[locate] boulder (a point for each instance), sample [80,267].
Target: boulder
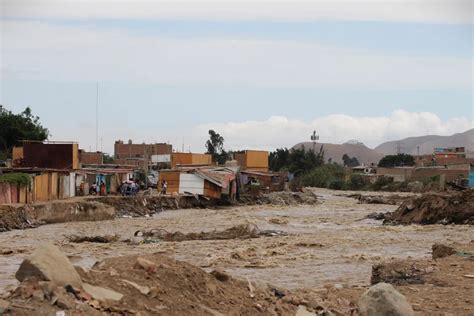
[101,294]
[383,299]
[442,251]
[48,263]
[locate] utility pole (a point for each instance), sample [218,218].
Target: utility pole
[97,118]
[314,138]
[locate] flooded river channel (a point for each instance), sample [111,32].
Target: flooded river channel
[327,243]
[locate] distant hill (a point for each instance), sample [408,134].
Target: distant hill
[428,143]
[364,154]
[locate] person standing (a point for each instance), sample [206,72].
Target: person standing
[103,189]
[164,187]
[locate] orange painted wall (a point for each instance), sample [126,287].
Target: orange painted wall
[172,178]
[190,159]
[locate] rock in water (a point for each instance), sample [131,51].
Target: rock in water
[383,299]
[48,263]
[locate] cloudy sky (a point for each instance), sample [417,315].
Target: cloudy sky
[263,74]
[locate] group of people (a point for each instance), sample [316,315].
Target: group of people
[129,188]
[94,189]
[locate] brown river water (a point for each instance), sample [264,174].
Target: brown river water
[328,243]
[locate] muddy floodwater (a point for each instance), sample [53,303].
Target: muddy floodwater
[327,243]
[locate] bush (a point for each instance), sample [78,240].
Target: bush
[336,184]
[382,182]
[21,179]
[323,176]
[358,182]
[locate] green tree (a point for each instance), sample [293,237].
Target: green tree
[399,160]
[17,127]
[215,148]
[108,159]
[350,162]
[324,176]
[279,159]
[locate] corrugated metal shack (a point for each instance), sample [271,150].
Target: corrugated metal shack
[112,177]
[209,182]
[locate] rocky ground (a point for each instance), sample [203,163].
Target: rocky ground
[320,256]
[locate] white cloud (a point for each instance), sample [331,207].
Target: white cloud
[280,131]
[34,50]
[431,11]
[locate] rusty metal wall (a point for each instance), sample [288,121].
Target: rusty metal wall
[55,156]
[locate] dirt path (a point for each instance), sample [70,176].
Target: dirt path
[328,243]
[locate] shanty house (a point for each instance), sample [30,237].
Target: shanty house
[211,182]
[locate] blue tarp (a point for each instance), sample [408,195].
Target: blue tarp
[471,179]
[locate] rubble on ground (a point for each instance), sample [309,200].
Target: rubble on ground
[145,285]
[435,208]
[384,299]
[244,231]
[15,218]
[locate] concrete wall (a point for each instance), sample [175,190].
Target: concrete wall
[419,174]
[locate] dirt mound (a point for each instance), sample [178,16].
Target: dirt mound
[244,231]
[151,285]
[399,273]
[435,208]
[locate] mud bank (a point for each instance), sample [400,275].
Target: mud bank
[30,216]
[435,208]
[105,208]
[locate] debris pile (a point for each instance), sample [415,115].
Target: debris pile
[135,285]
[93,239]
[281,198]
[435,208]
[378,199]
[15,218]
[244,231]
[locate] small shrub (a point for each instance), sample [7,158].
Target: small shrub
[21,179]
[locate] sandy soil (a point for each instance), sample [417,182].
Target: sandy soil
[330,243]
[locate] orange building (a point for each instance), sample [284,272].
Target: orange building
[253,160]
[190,159]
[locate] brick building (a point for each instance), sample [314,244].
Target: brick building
[91,158]
[140,151]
